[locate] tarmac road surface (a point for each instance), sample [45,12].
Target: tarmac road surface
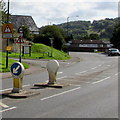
[90,91]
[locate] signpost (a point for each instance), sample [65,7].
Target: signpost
[17,71]
[7,31]
[20,30]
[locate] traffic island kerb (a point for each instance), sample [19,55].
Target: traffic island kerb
[21,94]
[50,85]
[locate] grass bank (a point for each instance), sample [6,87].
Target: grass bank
[41,51]
[38,51]
[10,62]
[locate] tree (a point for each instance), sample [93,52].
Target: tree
[115,40]
[94,36]
[26,33]
[3,12]
[51,31]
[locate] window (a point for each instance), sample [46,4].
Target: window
[88,45]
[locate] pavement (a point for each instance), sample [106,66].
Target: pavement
[34,68]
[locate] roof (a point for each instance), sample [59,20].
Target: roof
[19,20]
[87,42]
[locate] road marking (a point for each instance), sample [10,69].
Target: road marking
[94,68]
[60,93]
[60,72]
[108,65]
[101,80]
[62,77]
[80,72]
[7,109]
[12,88]
[3,105]
[100,65]
[75,85]
[116,74]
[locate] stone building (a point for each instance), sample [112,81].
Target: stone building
[18,21]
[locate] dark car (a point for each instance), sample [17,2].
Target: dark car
[113,51]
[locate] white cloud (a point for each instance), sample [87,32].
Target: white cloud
[55,12]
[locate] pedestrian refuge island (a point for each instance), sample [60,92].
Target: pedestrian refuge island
[17,71]
[52,68]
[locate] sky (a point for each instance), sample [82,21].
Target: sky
[48,12]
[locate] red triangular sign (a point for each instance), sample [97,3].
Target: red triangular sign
[7,29]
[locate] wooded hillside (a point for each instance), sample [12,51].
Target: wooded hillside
[83,29]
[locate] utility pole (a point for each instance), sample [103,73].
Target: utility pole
[7,38]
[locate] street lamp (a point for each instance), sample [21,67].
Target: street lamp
[68,24]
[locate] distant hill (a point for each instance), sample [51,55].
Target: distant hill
[79,29]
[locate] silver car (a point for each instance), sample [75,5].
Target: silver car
[113,51]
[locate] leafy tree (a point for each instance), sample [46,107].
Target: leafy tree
[94,36]
[26,33]
[3,12]
[115,40]
[48,32]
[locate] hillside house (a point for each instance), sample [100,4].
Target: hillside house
[19,20]
[88,45]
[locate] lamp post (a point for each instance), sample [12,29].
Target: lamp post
[68,24]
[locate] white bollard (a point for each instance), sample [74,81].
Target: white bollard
[52,67]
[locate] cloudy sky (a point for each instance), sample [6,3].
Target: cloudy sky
[46,12]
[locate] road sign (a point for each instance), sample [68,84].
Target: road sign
[7,31]
[7,28]
[8,48]
[17,69]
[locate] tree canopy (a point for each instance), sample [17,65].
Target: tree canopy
[115,40]
[48,32]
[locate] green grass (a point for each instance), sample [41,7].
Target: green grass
[41,51]
[38,51]
[10,62]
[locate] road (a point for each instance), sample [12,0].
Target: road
[90,91]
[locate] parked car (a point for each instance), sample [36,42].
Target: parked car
[113,51]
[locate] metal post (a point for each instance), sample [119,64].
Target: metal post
[67,25]
[51,40]
[7,38]
[20,51]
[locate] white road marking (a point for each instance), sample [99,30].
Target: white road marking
[117,73]
[60,93]
[101,80]
[59,72]
[62,77]
[94,68]
[75,85]
[7,109]
[3,105]
[100,65]
[12,88]
[108,65]
[80,72]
